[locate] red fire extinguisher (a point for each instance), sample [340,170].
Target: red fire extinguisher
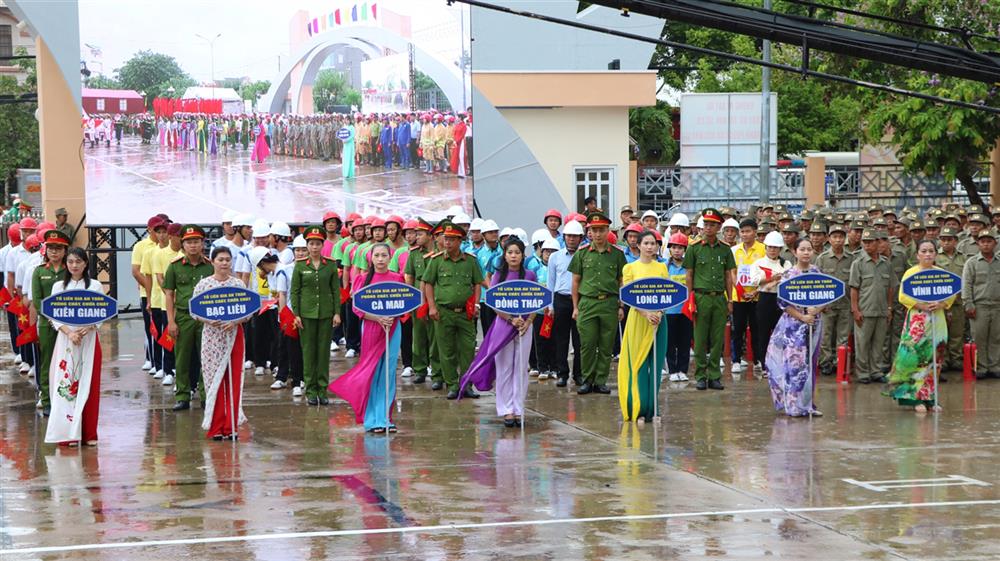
[969,361]
[843,364]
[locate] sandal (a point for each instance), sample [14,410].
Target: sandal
[377,430]
[392,428]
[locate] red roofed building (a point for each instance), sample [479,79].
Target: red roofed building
[112,101]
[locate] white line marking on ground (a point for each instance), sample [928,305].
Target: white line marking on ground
[948,481]
[474,526]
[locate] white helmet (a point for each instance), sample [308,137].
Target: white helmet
[539,236]
[461,218]
[731,223]
[506,232]
[774,239]
[551,243]
[243,220]
[454,210]
[229,216]
[651,213]
[261,228]
[573,228]
[680,219]
[701,222]
[258,253]
[298,242]
[281,229]
[489,226]
[477,225]
[520,234]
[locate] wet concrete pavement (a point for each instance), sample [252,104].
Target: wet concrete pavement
[128,183]
[722,477]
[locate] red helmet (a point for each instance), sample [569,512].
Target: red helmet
[32,242]
[28,223]
[42,229]
[47,225]
[352,217]
[330,215]
[411,225]
[678,239]
[395,218]
[14,234]
[612,238]
[657,235]
[580,218]
[376,222]
[553,213]
[634,228]
[344,232]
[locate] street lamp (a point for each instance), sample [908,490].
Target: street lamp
[171,91]
[211,47]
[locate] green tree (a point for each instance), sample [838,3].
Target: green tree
[152,73]
[652,129]
[251,90]
[100,81]
[331,88]
[19,133]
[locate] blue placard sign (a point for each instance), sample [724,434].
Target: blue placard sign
[225,303]
[79,307]
[811,289]
[932,285]
[653,294]
[387,299]
[518,297]
[344,133]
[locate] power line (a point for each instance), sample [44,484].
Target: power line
[804,71]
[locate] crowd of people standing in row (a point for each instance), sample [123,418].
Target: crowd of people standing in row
[431,141]
[731,263]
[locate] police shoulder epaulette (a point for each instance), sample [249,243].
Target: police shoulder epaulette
[302,259]
[176,259]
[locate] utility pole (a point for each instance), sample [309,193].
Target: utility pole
[211,48]
[765,121]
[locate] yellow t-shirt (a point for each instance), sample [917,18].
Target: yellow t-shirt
[162,257]
[744,268]
[140,248]
[638,270]
[146,268]
[263,288]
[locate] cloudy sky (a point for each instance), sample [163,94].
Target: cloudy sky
[254,32]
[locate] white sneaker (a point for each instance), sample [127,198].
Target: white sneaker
[533,372]
[168,380]
[743,362]
[738,367]
[146,365]
[31,372]
[407,372]
[152,370]
[259,371]
[334,347]
[342,341]
[24,368]
[350,353]
[159,375]
[297,391]
[38,404]
[543,375]
[248,365]
[278,385]
[682,377]
[675,377]
[17,358]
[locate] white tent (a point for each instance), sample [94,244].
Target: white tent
[231,101]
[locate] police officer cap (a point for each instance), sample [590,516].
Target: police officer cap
[599,219]
[952,216]
[880,222]
[868,236]
[450,229]
[838,227]
[987,233]
[192,231]
[56,237]
[790,228]
[875,208]
[314,233]
[890,212]
[919,225]
[785,216]
[817,228]
[975,209]
[808,215]
[948,232]
[881,235]
[981,218]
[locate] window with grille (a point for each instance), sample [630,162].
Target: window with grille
[100,104]
[6,42]
[122,105]
[595,182]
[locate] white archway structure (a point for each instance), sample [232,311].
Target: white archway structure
[310,56]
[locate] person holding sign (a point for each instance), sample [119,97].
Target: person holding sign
[597,276]
[76,363]
[709,263]
[315,299]
[182,275]
[791,373]
[365,386]
[923,341]
[981,294]
[638,368]
[450,280]
[222,357]
[43,279]
[504,353]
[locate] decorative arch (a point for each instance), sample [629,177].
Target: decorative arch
[315,59]
[310,57]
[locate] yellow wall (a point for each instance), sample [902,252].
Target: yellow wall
[565,137]
[61,142]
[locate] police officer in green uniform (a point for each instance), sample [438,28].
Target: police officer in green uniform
[835,262]
[981,295]
[950,259]
[423,328]
[179,281]
[790,234]
[450,280]
[970,245]
[898,264]
[597,276]
[871,295]
[42,280]
[315,297]
[709,264]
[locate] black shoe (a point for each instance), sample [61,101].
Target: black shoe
[324,401]
[420,379]
[701,385]
[602,389]
[312,401]
[585,389]
[577,381]
[716,385]
[993,375]
[880,379]
[46,411]
[510,423]
[980,376]
[182,406]
[942,379]
[218,438]
[864,380]
[561,382]
[437,386]
[470,393]
[453,394]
